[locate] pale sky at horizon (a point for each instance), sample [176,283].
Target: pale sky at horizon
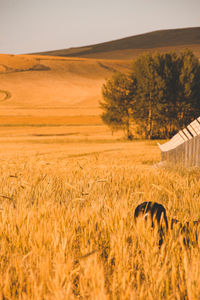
[28,26]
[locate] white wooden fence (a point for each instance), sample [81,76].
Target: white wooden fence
[184,147]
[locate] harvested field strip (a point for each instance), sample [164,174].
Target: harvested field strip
[57,140]
[49,121]
[58,134]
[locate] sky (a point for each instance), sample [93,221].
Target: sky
[28,26]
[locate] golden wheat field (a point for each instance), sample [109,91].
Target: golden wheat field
[69,188]
[67,226]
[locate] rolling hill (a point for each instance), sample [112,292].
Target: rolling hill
[64,86]
[131,47]
[52,90]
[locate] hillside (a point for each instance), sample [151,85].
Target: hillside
[41,89]
[130,47]
[38,89]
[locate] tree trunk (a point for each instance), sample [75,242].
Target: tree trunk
[150,120]
[128,131]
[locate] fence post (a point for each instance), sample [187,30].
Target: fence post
[184,147]
[197,150]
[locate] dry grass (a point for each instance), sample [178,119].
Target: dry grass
[68,190]
[67,228]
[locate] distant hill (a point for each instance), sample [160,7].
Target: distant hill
[130,47]
[53,90]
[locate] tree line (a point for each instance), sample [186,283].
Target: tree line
[159,96]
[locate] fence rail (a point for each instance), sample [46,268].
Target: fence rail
[184,147]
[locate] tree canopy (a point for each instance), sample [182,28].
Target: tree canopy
[119,102]
[161,95]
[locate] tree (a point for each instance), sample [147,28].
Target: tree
[150,92]
[168,94]
[170,70]
[118,104]
[188,104]
[161,95]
